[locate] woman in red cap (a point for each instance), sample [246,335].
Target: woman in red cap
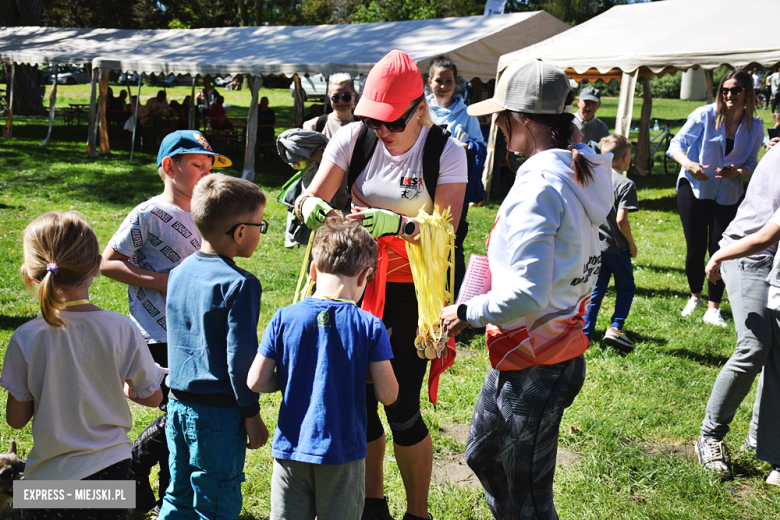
[383,161]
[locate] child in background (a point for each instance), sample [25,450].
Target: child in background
[617,247]
[153,239]
[319,352]
[74,362]
[213,307]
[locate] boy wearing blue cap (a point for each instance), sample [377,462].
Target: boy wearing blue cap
[153,239]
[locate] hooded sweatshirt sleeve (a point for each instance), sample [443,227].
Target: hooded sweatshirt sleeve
[530,224]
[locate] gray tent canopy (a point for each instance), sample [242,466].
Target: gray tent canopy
[475,43]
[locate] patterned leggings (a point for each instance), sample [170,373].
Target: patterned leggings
[513,439]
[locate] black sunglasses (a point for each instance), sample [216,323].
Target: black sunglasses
[399,125]
[735,91]
[262,225]
[345,97]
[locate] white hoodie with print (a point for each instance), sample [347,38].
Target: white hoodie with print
[544,258]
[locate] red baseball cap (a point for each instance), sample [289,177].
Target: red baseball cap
[390,86]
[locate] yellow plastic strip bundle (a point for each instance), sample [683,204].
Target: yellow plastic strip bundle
[430,258]
[300,294]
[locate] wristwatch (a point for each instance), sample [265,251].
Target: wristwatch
[408,228]
[462,313]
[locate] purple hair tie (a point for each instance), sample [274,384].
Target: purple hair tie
[52,268]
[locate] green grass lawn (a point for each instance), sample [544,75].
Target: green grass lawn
[628,436]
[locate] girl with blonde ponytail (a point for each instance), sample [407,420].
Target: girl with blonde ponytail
[75,361]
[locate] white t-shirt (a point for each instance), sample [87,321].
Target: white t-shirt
[156,236]
[396,182]
[774,81]
[756,81]
[75,375]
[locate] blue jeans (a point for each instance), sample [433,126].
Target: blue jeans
[208,447]
[620,266]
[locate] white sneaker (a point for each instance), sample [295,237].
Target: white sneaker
[774,477]
[693,304]
[713,317]
[714,455]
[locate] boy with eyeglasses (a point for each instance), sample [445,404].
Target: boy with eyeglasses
[213,309]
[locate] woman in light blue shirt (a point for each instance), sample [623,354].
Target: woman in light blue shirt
[722,141]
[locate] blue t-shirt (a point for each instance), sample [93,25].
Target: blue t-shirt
[322,349]
[213,307]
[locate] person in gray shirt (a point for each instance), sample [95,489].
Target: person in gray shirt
[592,128]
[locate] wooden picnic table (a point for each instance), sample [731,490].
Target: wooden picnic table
[77,108]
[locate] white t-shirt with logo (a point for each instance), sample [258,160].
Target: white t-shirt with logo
[396,182]
[156,236]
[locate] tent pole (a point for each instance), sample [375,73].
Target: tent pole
[626,103]
[708,75]
[299,111]
[8,129]
[192,106]
[92,129]
[643,141]
[135,117]
[487,171]
[52,102]
[251,131]
[104,145]
[207,81]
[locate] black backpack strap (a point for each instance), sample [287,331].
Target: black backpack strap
[321,123]
[432,151]
[361,154]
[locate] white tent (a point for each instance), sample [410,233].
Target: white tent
[475,43]
[641,40]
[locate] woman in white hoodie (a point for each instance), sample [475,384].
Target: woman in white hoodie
[544,260]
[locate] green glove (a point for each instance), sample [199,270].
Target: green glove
[314,210]
[381,222]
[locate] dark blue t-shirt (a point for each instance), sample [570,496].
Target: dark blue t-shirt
[213,307]
[322,349]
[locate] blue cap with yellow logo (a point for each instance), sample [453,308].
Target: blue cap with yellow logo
[189,141]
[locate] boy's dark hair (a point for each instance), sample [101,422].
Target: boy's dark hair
[220,201]
[344,247]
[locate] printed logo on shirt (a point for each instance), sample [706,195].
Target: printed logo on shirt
[138,257]
[170,254]
[138,239]
[195,243]
[592,267]
[323,319]
[163,323]
[411,187]
[183,231]
[148,267]
[154,240]
[151,309]
[135,218]
[157,212]
[141,294]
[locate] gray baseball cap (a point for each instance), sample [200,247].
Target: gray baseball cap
[534,87]
[591,94]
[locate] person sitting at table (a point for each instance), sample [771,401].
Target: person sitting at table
[158,106]
[266,118]
[219,119]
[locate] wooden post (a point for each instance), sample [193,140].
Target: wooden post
[251,131]
[92,127]
[207,82]
[8,128]
[476,88]
[52,103]
[643,141]
[708,75]
[135,117]
[299,111]
[104,147]
[192,107]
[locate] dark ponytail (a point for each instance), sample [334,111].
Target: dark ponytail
[560,128]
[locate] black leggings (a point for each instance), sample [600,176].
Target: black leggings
[703,222]
[403,416]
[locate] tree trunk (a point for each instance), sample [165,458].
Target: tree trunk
[259,12]
[242,13]
[28,99]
